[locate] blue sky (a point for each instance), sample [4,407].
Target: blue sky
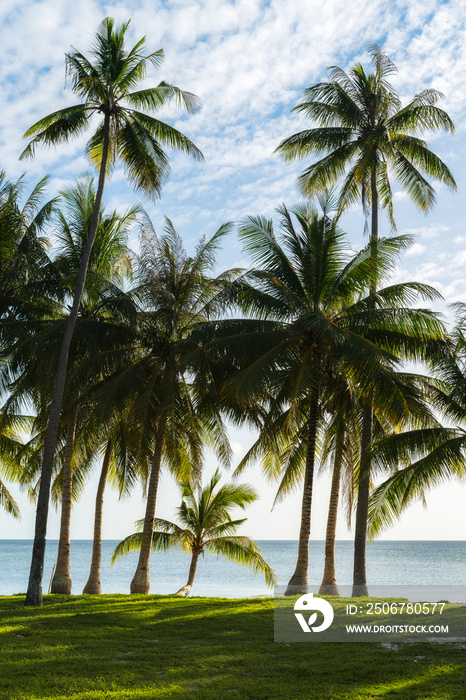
[248,61]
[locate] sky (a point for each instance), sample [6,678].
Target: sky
[248,61]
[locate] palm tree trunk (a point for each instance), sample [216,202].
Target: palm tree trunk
[329,582]
[141,578]
[360,535]
[61,582]
[93,586]
[192,572]
[299,581]
[34,592]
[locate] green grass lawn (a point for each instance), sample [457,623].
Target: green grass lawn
[122,647]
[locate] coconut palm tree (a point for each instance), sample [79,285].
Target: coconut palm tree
[367,136]
[205,525]
[121,467]
[363,130]
[12,448]
[25,282]
[107,84]
[341,435]
[102,303]
[170,403]
[26,279]
[315,319]
[429,455]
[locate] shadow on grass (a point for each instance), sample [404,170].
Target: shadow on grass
[130,647]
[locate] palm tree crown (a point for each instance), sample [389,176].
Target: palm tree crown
[364,131]
[107,86]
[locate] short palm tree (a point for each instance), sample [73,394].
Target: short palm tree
[205,525]
[107,84]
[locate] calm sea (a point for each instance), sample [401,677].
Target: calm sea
[393,563]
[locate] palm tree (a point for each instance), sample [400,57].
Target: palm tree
[301,289]
[364,131]
[205,525]
[23,283]
[313,320]
[121,467]
[430,454]
[339,444]
[23,253]
[106,83]
[172,406]
[101,305]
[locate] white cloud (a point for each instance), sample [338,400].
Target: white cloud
[416,249]
[249,61]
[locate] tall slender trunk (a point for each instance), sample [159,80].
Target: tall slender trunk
[93,586]
[61,582]
[360,535]
[299,581]
[192,572]
[329,582]
[34,591]
[141,578]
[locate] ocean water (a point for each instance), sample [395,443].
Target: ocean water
[388,562]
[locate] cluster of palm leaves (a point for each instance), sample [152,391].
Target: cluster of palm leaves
[140,359]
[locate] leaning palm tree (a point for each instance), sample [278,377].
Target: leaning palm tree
[106,83]
[205,525]
[360,128]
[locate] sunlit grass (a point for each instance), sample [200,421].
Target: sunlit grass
[129,647]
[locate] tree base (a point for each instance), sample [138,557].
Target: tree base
[61,583]
[297,585]
[329,589]
[360,590]
[140,582]
[184,591]
[34,598]
[92,588]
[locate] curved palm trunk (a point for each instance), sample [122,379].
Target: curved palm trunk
[61,581]
[360,535]
[93,586]
[192,572]
[141,578]
[299,581]
[329,582]
[34,591]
